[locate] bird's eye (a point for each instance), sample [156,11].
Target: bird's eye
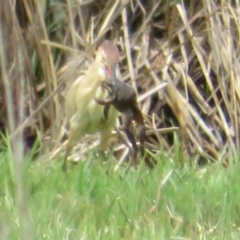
[104,59]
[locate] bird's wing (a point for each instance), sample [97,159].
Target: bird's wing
[70,103]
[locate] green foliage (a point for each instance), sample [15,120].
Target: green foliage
[93,201]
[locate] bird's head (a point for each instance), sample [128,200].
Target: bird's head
[109,56]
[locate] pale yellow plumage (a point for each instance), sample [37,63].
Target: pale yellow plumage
[85,116]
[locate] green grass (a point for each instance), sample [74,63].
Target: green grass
[92,201]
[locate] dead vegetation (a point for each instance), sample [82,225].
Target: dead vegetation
[182,57]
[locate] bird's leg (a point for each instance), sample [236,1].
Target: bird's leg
[105,112]
[74,135]
[110,87]
[130,136]
[138,118]
[107,102]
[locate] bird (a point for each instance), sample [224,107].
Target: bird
[84,114]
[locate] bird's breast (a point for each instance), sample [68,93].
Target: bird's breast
[101,116]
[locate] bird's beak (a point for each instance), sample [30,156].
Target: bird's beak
[110,70]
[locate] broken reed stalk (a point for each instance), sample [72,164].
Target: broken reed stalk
[191,47]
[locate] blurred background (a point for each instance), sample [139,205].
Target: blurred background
[182,58]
